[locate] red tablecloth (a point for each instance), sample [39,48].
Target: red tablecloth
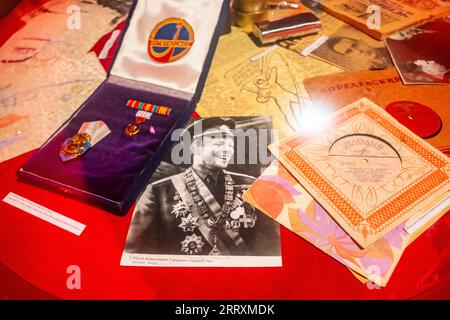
[40,253]
[34,256]
[12,22]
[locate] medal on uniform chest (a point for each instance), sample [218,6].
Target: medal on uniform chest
[189,223]
[181,208]
[241,218]
[237,213]
[235,225]
[192,244]
[248,221]
[144,112]
[215,251]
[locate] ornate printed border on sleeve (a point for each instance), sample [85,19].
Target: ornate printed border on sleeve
[366,226]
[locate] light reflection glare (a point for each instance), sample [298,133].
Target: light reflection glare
[313,118]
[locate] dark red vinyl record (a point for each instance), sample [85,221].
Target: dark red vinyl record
[417,117]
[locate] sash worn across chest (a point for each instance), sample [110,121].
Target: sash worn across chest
[232,236]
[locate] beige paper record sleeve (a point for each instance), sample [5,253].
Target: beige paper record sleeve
[369,172]
[385,88]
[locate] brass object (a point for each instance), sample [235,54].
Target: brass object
[293,4]
[81,138]
[132,129]
[246,20]
[74,147]
[250,6]
[76,144]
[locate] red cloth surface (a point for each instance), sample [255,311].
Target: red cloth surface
[12,22]
[34,257]
[40,254]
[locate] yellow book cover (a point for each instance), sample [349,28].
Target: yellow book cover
[394,15]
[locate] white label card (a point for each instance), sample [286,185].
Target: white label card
[44,213]
[307,51]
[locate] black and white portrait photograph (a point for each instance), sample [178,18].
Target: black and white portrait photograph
[421,54]
[192,212]
[350,49]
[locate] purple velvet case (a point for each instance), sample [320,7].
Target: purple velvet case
[114,172]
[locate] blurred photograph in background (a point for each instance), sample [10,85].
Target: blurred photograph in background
[422,54]
[352,50]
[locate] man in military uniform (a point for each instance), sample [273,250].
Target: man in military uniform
[201,211]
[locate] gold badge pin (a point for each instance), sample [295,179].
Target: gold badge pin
[132,129]
[75,146]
